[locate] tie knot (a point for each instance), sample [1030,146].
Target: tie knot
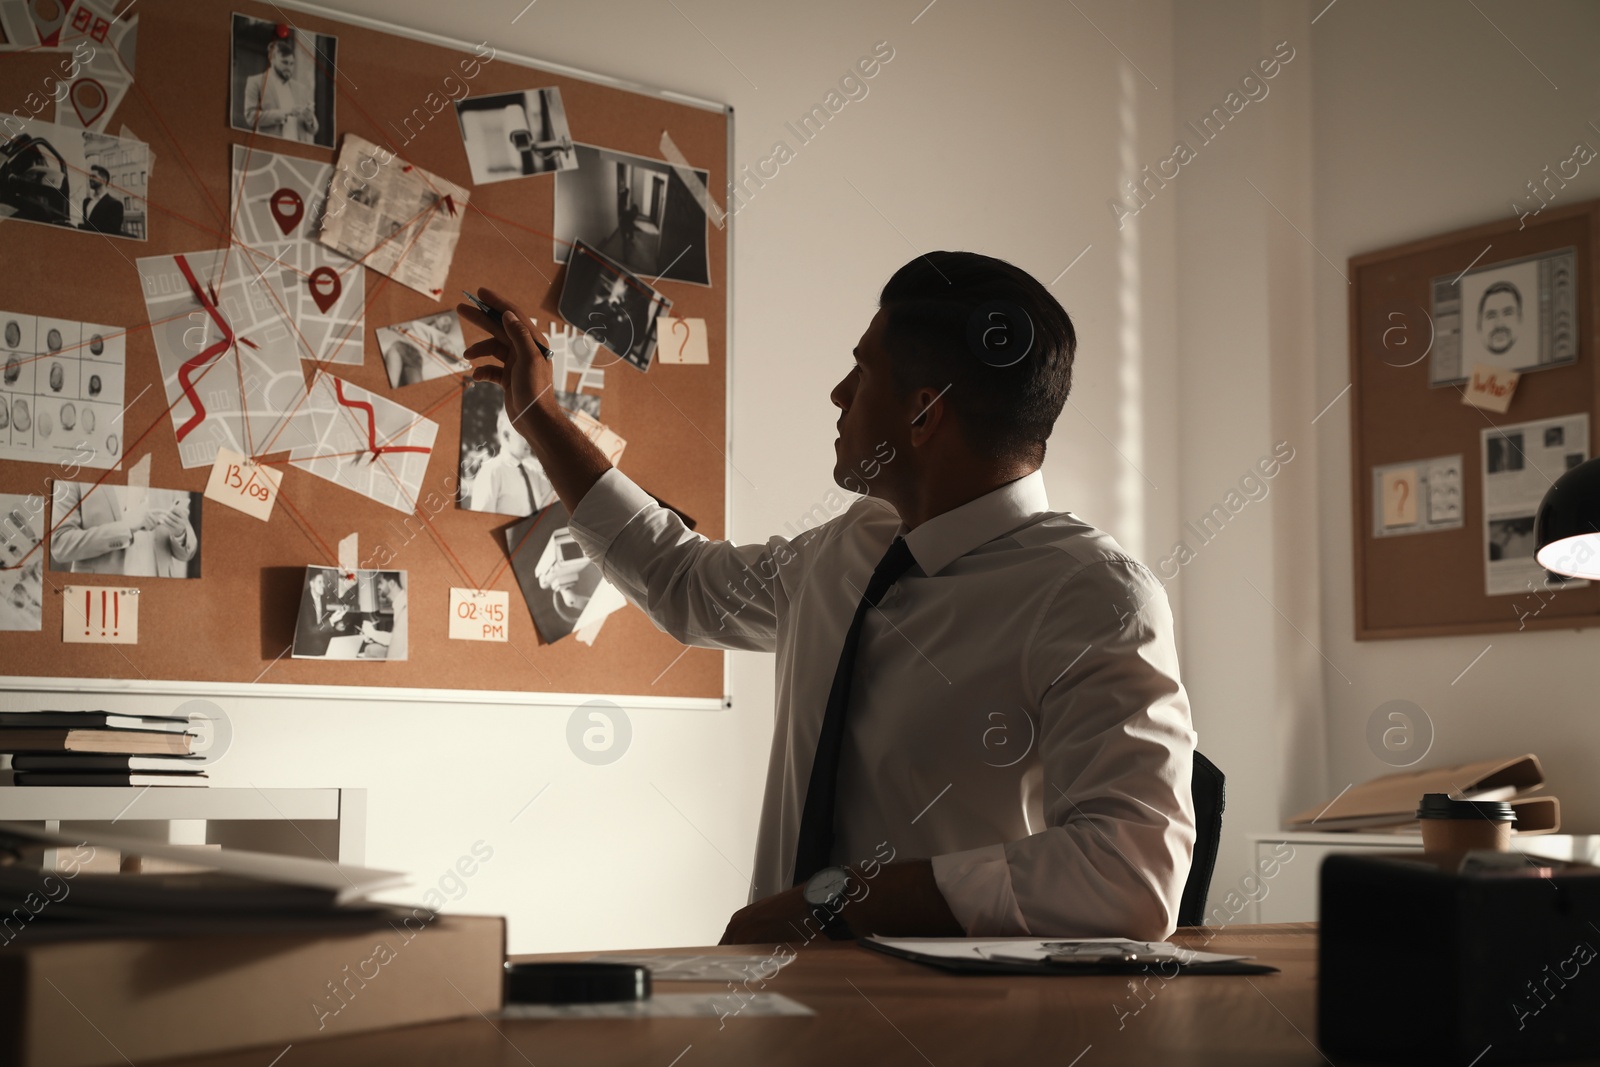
[895,562]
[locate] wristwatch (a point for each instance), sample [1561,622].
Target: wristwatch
[825,893]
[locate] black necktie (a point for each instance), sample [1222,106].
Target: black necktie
[815,846]
[527,483]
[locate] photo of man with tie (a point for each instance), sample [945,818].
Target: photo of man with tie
[947,603]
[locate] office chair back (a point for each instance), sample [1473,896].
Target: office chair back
[1206,788]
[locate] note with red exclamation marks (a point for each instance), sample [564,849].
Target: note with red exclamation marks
[99,615]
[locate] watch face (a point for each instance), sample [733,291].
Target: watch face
[825,885]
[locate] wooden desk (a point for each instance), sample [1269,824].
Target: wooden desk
[876,1010]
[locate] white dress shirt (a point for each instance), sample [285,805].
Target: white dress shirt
[1015,714]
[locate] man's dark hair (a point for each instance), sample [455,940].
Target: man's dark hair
[1499,287]
[1005,412]
[103,172]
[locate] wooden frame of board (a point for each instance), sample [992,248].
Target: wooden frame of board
[1432,584]
[230,627]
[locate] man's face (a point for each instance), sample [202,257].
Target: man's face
[871,409]
[96,183]
[514,443]
[1502,318]
[283,63]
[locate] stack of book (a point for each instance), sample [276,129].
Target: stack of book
[99,748]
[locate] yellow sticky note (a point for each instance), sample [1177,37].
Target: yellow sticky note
[681,340]
[99,615]
[240,483]
[1400,497]
[1490,389]
[479,614]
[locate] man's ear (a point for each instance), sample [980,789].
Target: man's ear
[928,413]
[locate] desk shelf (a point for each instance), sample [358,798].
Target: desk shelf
[331,823]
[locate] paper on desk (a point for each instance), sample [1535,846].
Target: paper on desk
[350,884]
[1036,950]
[670,968]
[667,1005]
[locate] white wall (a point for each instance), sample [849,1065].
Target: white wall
[1427,119]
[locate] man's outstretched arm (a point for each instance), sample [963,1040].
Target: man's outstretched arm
[510,358]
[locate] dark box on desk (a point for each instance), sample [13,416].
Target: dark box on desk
[1435,961]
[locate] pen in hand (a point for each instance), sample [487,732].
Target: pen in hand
[495,315]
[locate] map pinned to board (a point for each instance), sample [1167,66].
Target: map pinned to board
[277,208]
[366,443]
[228,358]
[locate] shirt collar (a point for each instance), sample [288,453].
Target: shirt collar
[947,537]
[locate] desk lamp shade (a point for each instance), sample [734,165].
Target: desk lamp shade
[1567,527]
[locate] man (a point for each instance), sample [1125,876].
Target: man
[1500,317]
[390,643]
[511,482]
[101,212]
[978,609]
[271,106]
[93,533]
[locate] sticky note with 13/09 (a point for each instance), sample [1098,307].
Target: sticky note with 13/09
[479,614]
[244,485]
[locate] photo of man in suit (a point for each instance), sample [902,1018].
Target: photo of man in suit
[100,211]
[127,530]
[282,81]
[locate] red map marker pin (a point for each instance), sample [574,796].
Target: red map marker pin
[325,286]
[287,208]
[89,100]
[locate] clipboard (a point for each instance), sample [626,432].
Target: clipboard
[989,957]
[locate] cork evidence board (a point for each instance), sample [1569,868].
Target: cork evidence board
[1444,490]
[160,203]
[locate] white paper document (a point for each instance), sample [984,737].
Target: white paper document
[1520,463]
[1036,950]
[397,219]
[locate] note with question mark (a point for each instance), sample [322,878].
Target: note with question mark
[681,340]
[1400,497]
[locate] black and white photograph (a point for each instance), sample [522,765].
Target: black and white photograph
[64,176]
[1505,452]
[1519,464]
[1511,538]
[347,615]
[516,135]
[635,210]
[563,588]
[134,531]
[499,473]
[611,305]
[21,562]
[283,81]
[423,349]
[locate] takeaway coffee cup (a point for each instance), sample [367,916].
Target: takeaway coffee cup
[1454,826]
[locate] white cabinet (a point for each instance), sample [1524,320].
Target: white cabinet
[1294,859]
